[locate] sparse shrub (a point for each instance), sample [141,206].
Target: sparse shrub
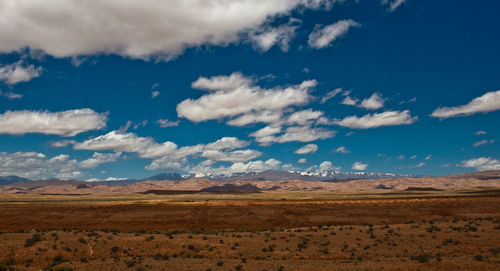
[114,249]
[81,240]
[479,258]
[424,258]
[33,240]
[220,263]
[8,265]
[130,263]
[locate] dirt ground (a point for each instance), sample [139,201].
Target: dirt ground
[447,233]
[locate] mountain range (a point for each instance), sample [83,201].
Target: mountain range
[168,183]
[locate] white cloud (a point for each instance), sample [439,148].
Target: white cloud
[413,157]
[304,134]
[302,161]
[419,165]
[168,155]
[481,163]
[488,102]
[166,123]
[62,143]
[321,37]
[256,117]
[155,93]
[483,142]
[359,166]
[480,133]
[64,123]
[392,5]
[18,72]
[330,95]
[204,169]
[374,102]
[309,148]
[11,95]
[349,101]
[146,147]
[37,165]
[342,149]
[428,157]
[233,156]
[236,95]
[136,29]
[99,158]
[266,38]
[388,118]
[222,82]
[304,117]
[267,135]
[326,166]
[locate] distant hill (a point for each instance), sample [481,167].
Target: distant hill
[251,182]
[6,180]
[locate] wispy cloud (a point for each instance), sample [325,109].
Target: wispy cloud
[488,102]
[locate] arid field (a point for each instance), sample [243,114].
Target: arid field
[453,230]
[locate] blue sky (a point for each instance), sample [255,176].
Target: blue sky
[381,86]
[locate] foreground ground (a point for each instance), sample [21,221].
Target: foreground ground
[411,231]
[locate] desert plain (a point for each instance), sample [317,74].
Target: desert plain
[270,230]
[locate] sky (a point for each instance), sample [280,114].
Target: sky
[103,90]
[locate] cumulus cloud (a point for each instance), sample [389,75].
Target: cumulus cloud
[303,134]
[359,166]
[37,165]
[64,123]
[166,123]
[322,37]
[136,29]
[488,102]
[99,158]
[326,166]
[302,161]
[480,133]
[309,148]
[236,95]
[304,117]
[206,168]
[392,5]
[18,72]
[330,95]
[146,147]
[481,163]
[168,155]
[374,102]
[342,149]
[388,118]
